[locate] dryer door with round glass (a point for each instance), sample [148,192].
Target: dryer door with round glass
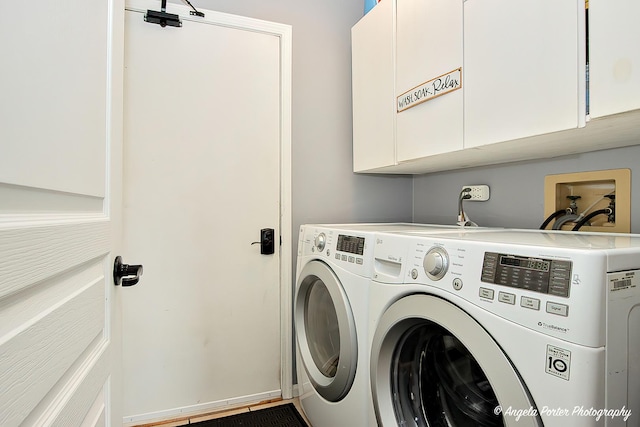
[432,364]
[326,331]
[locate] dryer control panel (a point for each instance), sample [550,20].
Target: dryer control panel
[348,249]
[547,276]
[351,244]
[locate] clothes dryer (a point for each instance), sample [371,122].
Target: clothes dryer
[333,276]
[505,328]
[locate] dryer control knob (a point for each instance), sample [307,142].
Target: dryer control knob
[321,241]
[436,263]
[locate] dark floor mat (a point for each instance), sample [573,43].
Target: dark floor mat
[277,416]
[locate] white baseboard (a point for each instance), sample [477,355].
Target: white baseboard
[201,408]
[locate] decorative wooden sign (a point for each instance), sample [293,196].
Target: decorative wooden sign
[434,88]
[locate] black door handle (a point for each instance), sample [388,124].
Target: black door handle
[267,241]
[125,274]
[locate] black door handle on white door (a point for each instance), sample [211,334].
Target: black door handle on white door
[267,241]
[125,274]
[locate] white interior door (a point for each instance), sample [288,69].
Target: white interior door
[202,177]
[60,139]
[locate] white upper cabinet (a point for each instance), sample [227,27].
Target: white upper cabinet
[524,91]
[428,46]
[614,59]
[373,70]
[524,69]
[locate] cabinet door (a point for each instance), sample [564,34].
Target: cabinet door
[428,45]
[372,86]
[614,60]
[524,69]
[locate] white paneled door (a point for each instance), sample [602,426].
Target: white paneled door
[60,145]
[204,168]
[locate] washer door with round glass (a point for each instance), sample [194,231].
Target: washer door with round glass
[326,331]
[433,365]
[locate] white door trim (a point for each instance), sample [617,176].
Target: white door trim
[284,32]
[113,204]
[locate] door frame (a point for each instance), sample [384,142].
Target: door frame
[113,204]
[284,33]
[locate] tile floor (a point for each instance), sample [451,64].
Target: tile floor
[214,415]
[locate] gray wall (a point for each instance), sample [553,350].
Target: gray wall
[517,189]
[324,188]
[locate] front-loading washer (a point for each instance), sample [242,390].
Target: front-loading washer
[334,269]
[505,328]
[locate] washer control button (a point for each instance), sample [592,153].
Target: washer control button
[507,298]
[414,274]
[321,241]
[457,284]
[558,309]
[436,263]
[486,293]
[532,303]
[359,261]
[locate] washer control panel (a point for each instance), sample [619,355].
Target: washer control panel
[555,284]
[547,276]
